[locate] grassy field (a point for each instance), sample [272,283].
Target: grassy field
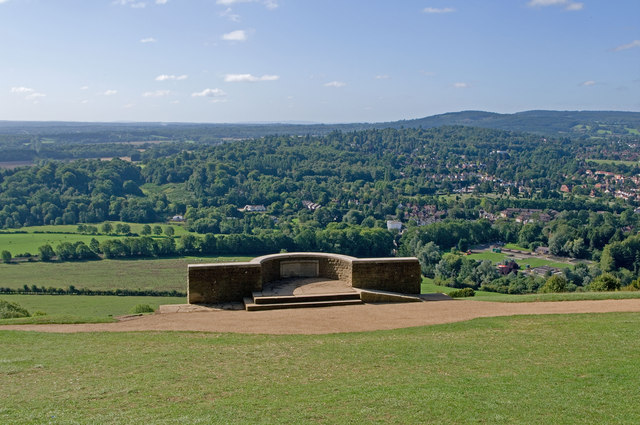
[428,286]
[562,369]
[497,257]
[36,236]
[81,309]
[613,161]
[158,274]
[516,246]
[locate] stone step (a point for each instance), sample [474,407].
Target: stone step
[286,299]
[250,306]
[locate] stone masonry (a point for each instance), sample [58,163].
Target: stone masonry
[229,282]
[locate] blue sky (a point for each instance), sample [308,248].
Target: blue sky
[312,60]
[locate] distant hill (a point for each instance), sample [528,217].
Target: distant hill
[552,123]
[572,123]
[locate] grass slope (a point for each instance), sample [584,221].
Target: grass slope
[79,308]
[520,370]
[159,274]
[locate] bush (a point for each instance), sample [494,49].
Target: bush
[462,293]
[555,283]
[142,308]
[9,310]
[605,282]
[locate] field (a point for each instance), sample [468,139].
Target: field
[493,370]
[159,274]
[20,243]
[613,161]
[81,309]
[428,286]
[497,257]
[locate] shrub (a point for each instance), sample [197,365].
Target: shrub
[555,283]
[142,308]
[462,293]
[605,282]
[9,310]
[633,286]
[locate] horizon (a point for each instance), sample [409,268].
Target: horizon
[293,123]
[279,61]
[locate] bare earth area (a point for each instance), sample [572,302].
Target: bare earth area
[358,318]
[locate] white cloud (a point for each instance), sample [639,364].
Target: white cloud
[568,5]
[28,93]
[22,90]
[216,95]
[129,105]
[157,93]
[438,10]
[269,4]
[588,83]
[110,92]
[382,77]
[165,77]
[131,3]
[248,78]
[461,85]
[162,1]
[228,13]
[3,1]
[238,35]
[335,84]
[84,88]
[634,43]
[148,40]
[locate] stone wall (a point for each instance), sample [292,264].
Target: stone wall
[387,274]
[224,282]
[228,282]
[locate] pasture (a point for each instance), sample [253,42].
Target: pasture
[36,236]
[491,370]
[79,308]
[165,274]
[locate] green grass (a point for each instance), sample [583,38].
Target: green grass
[19,243]
[562,369]
[613,161]
[428,286]
[633,131]
[496,257]
[517,247]
[81,309]
[158,274]
[175,192]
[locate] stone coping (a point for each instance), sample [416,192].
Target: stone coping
[256,262]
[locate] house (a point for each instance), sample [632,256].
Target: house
[505,269]
[311,205]
[394,225]
[177,218]
[542,250]
[254,208]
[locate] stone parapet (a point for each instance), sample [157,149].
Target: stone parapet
[228,282]
[223,282]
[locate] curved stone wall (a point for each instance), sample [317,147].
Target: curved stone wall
[228,282]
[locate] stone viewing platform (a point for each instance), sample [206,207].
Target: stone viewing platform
[305,279]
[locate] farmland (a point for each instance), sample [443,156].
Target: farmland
[156,274]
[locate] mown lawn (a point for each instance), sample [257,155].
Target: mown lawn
[562,369]
[159,274]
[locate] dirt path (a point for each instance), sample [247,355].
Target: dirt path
[325,320]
